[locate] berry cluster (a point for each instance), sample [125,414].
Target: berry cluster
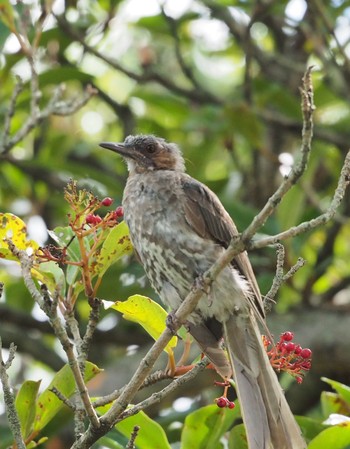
[223,402]
[288,356]
[94,219]
[83,222]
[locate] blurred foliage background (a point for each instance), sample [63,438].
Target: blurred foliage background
[221,79]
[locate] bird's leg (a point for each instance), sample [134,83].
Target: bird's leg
[171,366]
[186,351]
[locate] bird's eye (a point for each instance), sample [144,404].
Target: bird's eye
[150,148]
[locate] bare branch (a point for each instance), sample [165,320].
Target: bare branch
[306,226]
[186,69]
[280,277]
[298,169]
[59,329]
[160,395]
[56,106]
[131,442]
[9,399]
[11,111]
[62,398]
[165,81]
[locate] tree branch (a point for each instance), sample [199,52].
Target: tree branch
[145,77]
[9,399]
[60,332]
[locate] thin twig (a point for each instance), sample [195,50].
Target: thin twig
[299,167]
[157,397]
[280,277]
[306,226]
[149,76]
[60,332]
[63,398]
[186,69]
[91,326]
[133,436]
[11,112]
[54,107]
[152,379]
[9,399]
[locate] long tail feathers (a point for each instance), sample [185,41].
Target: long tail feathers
[268,419]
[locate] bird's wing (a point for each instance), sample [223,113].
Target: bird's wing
[209,219]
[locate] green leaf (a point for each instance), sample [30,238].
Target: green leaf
[238,438]
[34,444]
[341,389]
[26,405]
[331,403]
[50,274]
[110,443]
[335,437]
[48,403]
[7,14]
[116,245]
[63,74]
[150,436]
[65,238]
[203,428]
[4,34]
[149,314]
[310,427]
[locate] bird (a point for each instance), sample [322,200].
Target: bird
[179,228]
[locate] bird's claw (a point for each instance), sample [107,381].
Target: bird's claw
[199,284]
[171,322]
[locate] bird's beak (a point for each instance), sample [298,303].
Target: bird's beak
[117,148]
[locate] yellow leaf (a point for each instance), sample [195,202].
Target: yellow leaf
[149,314]
[14,229]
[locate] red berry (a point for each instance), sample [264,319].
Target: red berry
[119,211]
[283,346]
[107,201]
[290,346]
[306,353]
[287,336]
[90,219]
[306,365]
[221,402]
[231,404]
[297,349]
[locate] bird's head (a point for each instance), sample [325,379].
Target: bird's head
[148,153]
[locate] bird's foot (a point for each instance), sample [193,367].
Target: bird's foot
[181,370]
[200,284]
[172,322]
